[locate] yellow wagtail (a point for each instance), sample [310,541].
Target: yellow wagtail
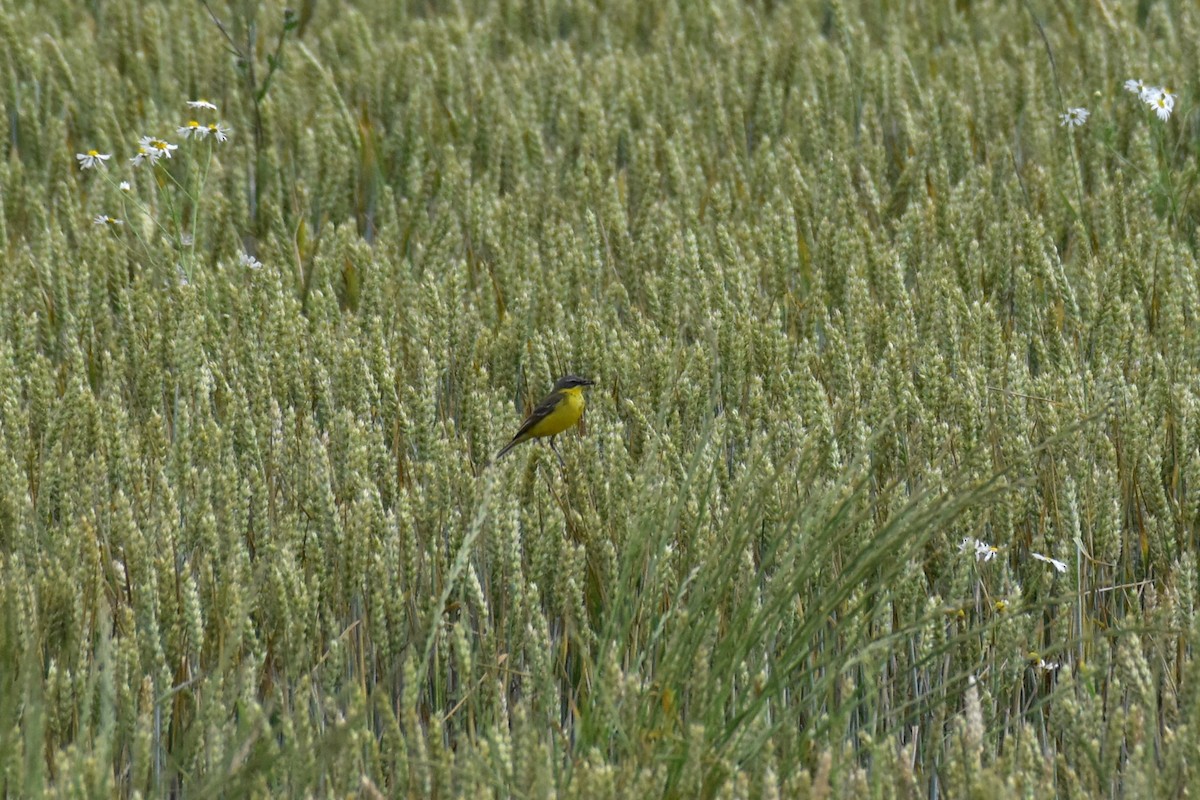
[558,411]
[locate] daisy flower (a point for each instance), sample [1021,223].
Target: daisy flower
[164,148]
[220,131]
[143,155]
[1074,117]
[247,260]
[1061,566]
[1138,87]
[983,550]
[103,219]
[153,149]
[201,103]
[125,187]
[1163,103]
[192,130]
[92,159]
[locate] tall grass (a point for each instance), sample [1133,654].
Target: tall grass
[869,328]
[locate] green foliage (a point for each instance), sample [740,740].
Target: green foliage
[858,309]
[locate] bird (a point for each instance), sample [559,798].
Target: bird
[557,411]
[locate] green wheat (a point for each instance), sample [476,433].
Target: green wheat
[887,486]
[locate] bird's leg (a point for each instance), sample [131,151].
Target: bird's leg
[555,449]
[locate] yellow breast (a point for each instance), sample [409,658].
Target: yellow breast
[566,414]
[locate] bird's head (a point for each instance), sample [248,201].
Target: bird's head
[571,382]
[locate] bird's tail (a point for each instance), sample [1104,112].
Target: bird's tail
[508,447]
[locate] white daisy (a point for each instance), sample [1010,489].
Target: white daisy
[92,159]
[983,550]
[220,131]
[1163,103]
[247,260]
[154,149]
[192,130]
[201,104]
[1074,117]
[103,219]
[164,148]
[1061,566]
[1138,87]
[125,187]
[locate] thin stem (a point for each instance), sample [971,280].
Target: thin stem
[1075,160]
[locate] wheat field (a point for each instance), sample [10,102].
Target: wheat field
[889,485]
